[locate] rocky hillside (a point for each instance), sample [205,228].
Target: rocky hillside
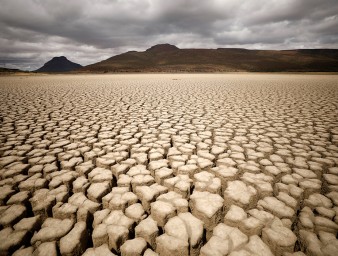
[59,64]
[169,58]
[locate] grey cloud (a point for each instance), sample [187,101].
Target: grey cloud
[87,31]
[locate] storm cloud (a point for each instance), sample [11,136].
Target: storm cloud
[88,31]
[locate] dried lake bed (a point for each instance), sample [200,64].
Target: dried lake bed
[169,164]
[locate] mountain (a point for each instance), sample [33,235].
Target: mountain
[59,64]
[169,58]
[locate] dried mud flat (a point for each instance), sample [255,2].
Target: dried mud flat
[235,164]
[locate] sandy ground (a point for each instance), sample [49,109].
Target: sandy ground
[169,164]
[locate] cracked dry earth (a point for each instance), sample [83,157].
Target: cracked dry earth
[234,164]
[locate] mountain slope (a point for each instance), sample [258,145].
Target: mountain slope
[59,64]
[169,58]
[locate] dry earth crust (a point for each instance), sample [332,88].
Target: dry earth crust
[221,164]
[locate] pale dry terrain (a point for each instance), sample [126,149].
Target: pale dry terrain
[219,164]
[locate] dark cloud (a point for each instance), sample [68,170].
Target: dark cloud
[87,31]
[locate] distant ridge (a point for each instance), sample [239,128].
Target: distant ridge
[59,64]
[169,58]
[9,70]
[162,48]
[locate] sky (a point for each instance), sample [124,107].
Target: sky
[87,31]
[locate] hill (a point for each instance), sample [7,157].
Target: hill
[59,64]
[169,58]
[13,71]
[9,70]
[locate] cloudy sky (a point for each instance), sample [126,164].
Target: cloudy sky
[87,31]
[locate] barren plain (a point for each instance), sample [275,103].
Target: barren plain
[169,164]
